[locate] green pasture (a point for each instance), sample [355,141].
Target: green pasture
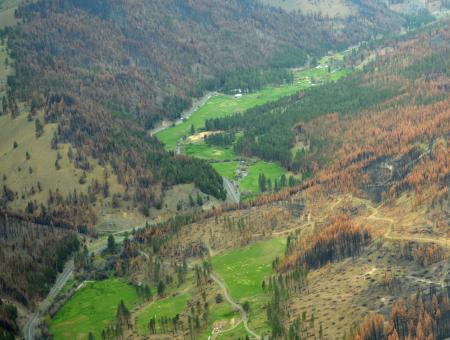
[91,308]
[226,169]
[222,312]
[270,170]
[243,271]
[223,105]
[167,307]
[205,151]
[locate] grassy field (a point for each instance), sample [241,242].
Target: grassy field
[243,270]
[272,171]
[226,169]
[168,307]
[220,315]
[213,153]
[91,309]
[223,105]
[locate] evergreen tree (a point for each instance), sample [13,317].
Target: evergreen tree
[38,127]
[122,316]
[161,288]
[4,105]
[199,200]
[111,244]
[262,182]
[191,201]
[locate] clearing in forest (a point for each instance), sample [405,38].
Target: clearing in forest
[91,308]
[243,270]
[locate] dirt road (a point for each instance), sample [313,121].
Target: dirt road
[235,305]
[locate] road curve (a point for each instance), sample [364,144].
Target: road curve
[61,280]
[235,305]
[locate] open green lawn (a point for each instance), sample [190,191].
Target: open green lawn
[243,270]
[226,169]
[92,308]
[213,153]
[167,307]
[270,170]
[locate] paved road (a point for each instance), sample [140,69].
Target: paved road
[61,280]
[232,191]
[235,305]
[186,114]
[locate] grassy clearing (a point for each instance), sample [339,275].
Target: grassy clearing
[174,303]
[167,307]
[221,315]
[213,153]
[223,105]
[243,271]
[272,171]
[226,169]
[92,308]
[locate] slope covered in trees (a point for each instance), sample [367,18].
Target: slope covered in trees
[139,59]
[424,315]
[107,71]
[395,113]
[29,264]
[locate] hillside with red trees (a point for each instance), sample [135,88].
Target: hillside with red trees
[31,256]
[340,239]
[425,315]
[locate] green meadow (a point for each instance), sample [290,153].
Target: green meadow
[223,105]
[223,158]
[222,312]
[272,171]
[91,309]
[226,169]
[167,307]
[243,270]
[205,151]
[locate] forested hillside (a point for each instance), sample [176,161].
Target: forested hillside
[367,235]
[141,59]
[104,72]
[290,132]
[358,214]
